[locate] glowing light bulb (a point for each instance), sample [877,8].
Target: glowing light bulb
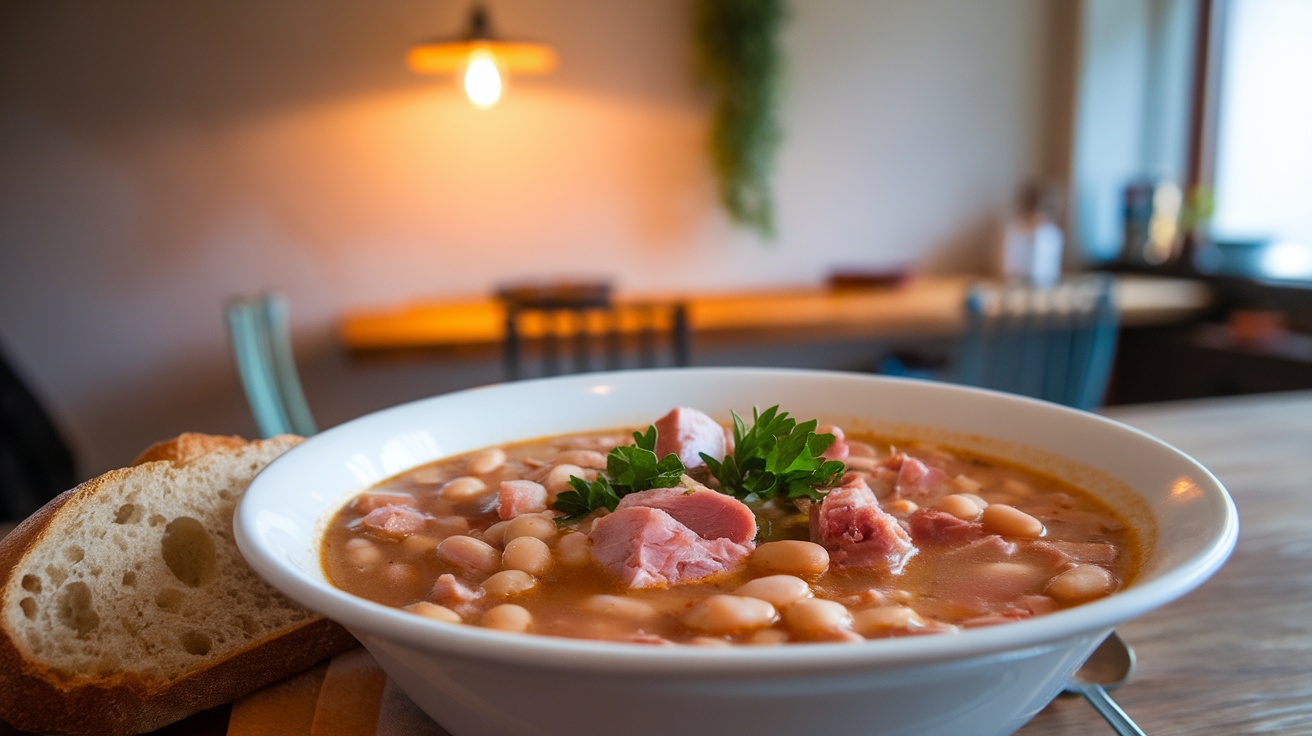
[482,79]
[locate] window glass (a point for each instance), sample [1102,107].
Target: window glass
[1263,187]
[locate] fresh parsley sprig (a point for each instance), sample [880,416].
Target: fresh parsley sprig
[775,458]
[629,469]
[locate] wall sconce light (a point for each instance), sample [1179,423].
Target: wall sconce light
[481,58]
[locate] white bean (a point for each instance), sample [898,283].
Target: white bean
[791,556]
[496,533]
[618,605]
[363,553]
[508,617]
[529,554]
[582,458]
[779,590]
[574,549]
[486,461]
[530,525]
[434,611]
[880,620]
[1081,583]
[468,553]
[966,484]
[960,506]
[812,617]
[1017,488]
[768,637]
[556,480]
[462,489]
[1009,521]
[901,507]
[1011,578]
[729,614]
[509,582]
[399,574]
[419,544]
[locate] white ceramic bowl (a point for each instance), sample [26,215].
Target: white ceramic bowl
[478,682]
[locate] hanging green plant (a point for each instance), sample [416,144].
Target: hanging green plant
[739,50]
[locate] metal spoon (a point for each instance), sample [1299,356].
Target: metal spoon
[1107,668]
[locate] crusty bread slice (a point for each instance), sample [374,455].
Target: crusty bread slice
[125,604]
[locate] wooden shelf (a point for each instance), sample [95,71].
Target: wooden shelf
[921,307]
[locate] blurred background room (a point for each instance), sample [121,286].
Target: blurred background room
[158,159]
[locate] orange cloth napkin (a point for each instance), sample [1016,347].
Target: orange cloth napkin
[348,696]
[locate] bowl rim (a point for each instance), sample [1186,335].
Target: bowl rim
[373,621]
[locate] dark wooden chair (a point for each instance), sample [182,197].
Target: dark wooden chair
[262,348]
[1055,343]
[36,461]
[568,328]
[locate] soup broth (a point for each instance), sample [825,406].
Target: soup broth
[954,540]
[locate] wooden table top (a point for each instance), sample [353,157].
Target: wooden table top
[1234,656]
[926,306]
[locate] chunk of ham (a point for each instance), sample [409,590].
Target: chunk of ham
[688,433]
[366,502]
[991,547]
[839,450]
[708,514]
[931,526]
[394,521]
[1060,552]
[856,531]
[916,481]
[449,591]
[518,497]
[646,547]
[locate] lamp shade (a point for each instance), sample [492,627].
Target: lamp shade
[453,54]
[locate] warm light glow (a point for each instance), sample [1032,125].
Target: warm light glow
[1184,490]
[482,79]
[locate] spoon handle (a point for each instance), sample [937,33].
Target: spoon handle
[1103,703]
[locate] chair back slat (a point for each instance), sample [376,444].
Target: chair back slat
[261,344]
[553,332]
[1055,343]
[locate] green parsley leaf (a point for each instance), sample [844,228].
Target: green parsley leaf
[629,469]
[585,498]
[776,458]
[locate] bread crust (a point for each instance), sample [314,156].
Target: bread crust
[37,698]
[188,446]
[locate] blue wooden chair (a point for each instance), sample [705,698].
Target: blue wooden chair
[261,345]
[1055,343]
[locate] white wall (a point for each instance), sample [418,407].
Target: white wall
[157,158]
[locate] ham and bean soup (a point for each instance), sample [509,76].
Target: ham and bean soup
[691,532]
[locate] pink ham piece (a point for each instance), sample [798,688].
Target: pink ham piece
[394,521]
[916,480]
[451,592]
[930,526]
[1061,553]
[688,433]
[839,450]
[708,514]
[857,532]
[517,497]
[647,547]
[367,502]
[987,547]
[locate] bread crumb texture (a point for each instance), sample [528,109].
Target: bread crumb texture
[142,573]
